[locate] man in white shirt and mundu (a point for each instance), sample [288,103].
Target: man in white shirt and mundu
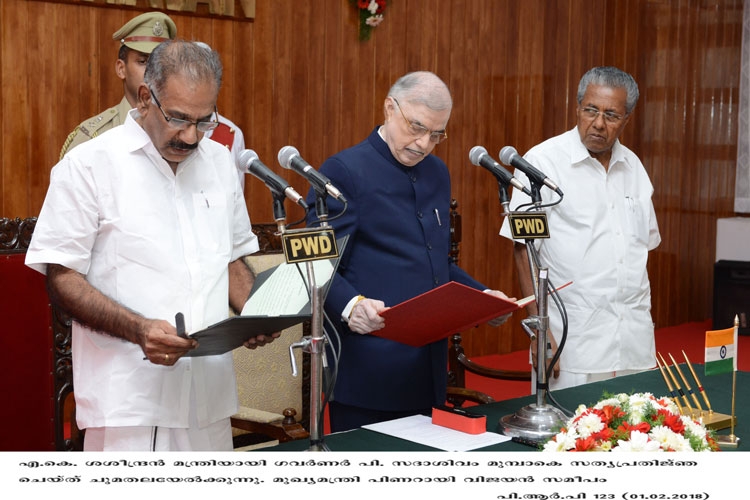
[600,236]
[140,223]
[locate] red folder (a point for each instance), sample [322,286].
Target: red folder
[441,312]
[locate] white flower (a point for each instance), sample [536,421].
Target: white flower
[694,427]
[669,440]
[589,424]
[563,442]
[374,20]
[638,442]
[373,7]
[607,402]
[639,403]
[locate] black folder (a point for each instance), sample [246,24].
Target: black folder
[231,333]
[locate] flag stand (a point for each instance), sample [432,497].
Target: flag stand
[732,441]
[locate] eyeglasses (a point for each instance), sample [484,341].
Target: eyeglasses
[418,130]
[179,124]
[609,116]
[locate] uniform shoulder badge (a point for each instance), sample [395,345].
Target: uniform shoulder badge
[99,123]
[88,129]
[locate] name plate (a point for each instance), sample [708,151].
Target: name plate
[528,225]
[309,244]
[237,10]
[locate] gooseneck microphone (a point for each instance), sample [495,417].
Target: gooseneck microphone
[289,158]
[510,156]
[479,157]
[249,162]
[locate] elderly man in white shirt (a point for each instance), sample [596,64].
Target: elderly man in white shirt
[600,236]
[140,223]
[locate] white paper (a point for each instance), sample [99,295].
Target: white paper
[285,292]
[420,429]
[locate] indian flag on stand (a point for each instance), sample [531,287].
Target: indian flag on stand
[721,351]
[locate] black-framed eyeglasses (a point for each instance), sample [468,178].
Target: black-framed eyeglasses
[609,116]
[180,124]
[419,130]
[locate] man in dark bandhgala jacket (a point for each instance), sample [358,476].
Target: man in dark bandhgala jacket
[397,218]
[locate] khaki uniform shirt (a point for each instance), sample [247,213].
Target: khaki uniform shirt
[95,125]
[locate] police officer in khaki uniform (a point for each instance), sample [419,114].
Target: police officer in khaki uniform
[138,37]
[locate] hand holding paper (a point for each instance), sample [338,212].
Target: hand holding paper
[365,317]
[441,312]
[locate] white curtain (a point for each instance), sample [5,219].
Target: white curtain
[742,185]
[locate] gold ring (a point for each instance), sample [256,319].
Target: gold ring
[166,358]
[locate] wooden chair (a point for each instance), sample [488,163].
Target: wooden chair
[458,362]
[35,353]
[274,405]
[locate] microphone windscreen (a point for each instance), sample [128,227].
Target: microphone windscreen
[476,153]
[246,158]
[507,154]
[285,156]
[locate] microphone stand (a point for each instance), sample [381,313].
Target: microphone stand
[537,422]
[279,213]
[307,344]
[315,344]
[502,192]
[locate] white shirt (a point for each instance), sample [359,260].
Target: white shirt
[158,243]
[600,235]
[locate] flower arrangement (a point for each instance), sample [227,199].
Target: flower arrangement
[370,16]
[636,422]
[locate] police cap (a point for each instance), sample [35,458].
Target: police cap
[143,33]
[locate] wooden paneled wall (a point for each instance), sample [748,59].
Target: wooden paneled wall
[297,74]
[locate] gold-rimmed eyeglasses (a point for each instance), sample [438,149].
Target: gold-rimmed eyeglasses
[418,130]
[609,116]
[180,124]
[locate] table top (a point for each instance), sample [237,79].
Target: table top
[717,387]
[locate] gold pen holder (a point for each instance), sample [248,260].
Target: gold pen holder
[728,442]
[715,421]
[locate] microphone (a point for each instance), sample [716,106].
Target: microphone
[289,158]
[249,162]
[510,156]
[479,157]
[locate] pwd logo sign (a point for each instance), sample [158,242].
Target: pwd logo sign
[528,225]
[315,244]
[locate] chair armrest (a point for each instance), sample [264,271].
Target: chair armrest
[280,427]
[493,372]
[458,395]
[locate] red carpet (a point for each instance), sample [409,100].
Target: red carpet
[688,337]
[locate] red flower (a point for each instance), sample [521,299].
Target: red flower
[362,4]
[609,413]
[585,444]
[604,434]
[643,427]
[675,424]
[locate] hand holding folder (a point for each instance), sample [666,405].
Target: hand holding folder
[443,311]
